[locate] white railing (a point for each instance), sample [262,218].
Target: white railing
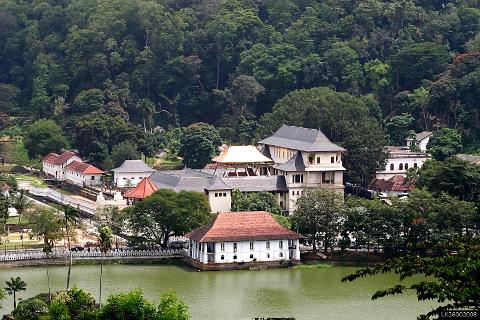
[92,254]
[83,205]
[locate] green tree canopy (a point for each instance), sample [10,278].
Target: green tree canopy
[43,137]
[318,214]
[199,144]
[166,212]
[345,119]
[445,143]
[255,201]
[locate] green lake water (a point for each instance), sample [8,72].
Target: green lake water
[303,293]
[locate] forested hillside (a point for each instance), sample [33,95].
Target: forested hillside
[109,71]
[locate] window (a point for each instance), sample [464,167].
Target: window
[281,254]
[267,245]
[251,245]
[318,159]
[298,193]
[280,244]
[235,257]
[297,178]
[392,167]
[224,194]
[222,246]
[336,158]
[415,165]
[400,166]
[216,194]
[328,177]
[332,159]
[406,166]
[293,193]
[268,255]
[251,256]
[124,178]
[93,178]
[311,158]
[235,247]
[222,257]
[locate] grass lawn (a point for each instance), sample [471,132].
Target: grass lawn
[14,220]
[36,182]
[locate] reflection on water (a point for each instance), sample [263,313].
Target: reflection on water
[303,294]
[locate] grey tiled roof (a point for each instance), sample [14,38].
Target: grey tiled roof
[257,184]
[303,139]
[295,163]
[265,150]
[469,158]
[133,166]
[186,179]
[422,135]
[196,180]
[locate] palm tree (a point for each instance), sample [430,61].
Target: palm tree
[21,202]
[47,249]
[14,285]
[71,217]
[147,109]
[105,243]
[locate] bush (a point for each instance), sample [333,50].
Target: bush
[30,309]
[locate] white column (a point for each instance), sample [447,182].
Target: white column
[297,249]
[205,255]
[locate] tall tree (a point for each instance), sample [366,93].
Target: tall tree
[166,212]
[318,215]
[105,241]
[199,144]
[445,143]
[71,216]
[43,137]
[13,286]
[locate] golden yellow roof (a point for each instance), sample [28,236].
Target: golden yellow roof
[241,154]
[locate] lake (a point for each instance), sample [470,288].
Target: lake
[301,293]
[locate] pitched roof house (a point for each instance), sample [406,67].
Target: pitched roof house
[234,237]
[131,172]
[54,164]
[83,174]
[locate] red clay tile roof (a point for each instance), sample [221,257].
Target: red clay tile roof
[242,226]
[143,189]
[395,183]
[83,167]
[55,158]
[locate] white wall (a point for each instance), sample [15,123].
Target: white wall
[244,253]
[423,144]
[121,178]
[83,179]
[396,162]
[220,200]
[57,170]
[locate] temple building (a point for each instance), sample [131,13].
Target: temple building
[306,158]
[236,240]
[284,164]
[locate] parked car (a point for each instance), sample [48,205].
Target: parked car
[77,248]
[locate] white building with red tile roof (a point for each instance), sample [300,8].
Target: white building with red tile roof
[54,164]
[243,237]
[83,174]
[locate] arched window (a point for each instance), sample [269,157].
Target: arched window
[406,166]
[392,167]
[400,166]
[415,165]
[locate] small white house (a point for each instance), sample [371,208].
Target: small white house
[242,237]
[421,140]
[399,160]
[54,164]
[83,174]
[130,173]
